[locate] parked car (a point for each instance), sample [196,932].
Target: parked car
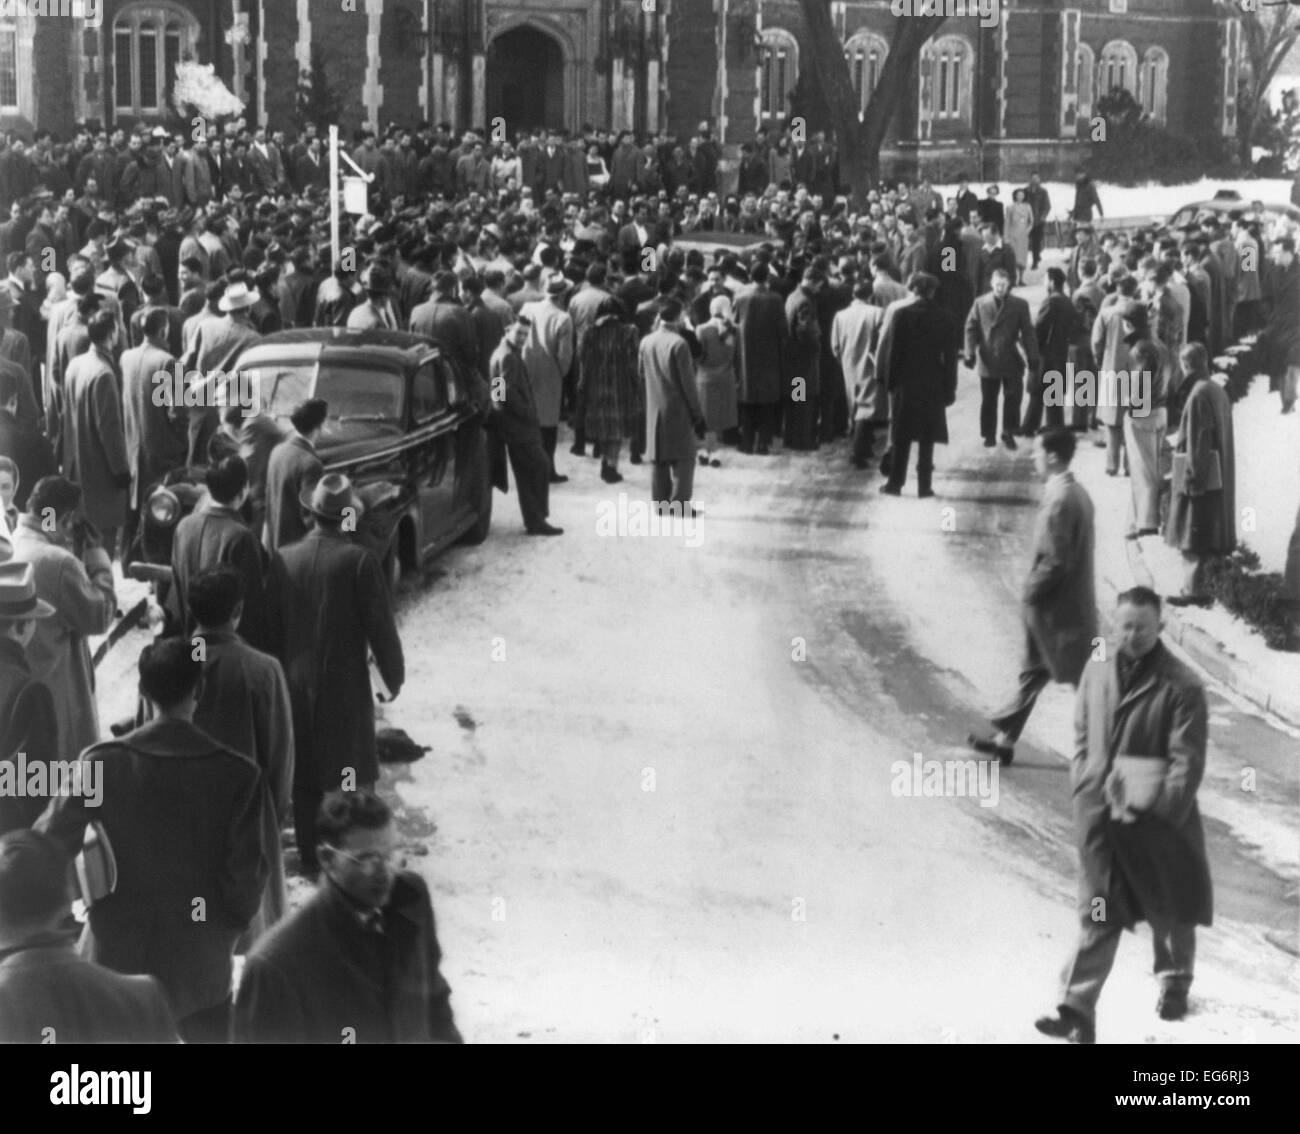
[401,425]
[1227,201]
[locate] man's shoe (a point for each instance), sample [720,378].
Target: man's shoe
[924,492]
[704,460]
[637,459]
[1009,442]
[891,489]
[1067,1025]
[556,478]
[762,450]
[609,475]
[989,443]
[986,745]
[1172,1004]
[545,529]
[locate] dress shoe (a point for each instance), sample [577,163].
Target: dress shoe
[609,475]
[637,459]
[892,489]
[578,450]
[989,442]
[545,529]
[704,460]
[556,478]
[715,463]
[1009,442]
[1067,1025]
[746,449]
[990,747]
[924,493]
[1172,1004]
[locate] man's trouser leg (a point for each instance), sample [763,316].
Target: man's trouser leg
[863,442]
[1013,390]
[1290,384]
[1033,405]
[661,484]
[1114,447]
[1175,954]
[989,389]
[899,454]
[924,466]
[1035,244]
[1086,971]
[1034,678]
[306,800]
[532,481]
[748,425]
[550,434]
[683,474]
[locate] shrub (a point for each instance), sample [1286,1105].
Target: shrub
[1136,151]
[1259,599]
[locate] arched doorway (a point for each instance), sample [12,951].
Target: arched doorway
[525,79]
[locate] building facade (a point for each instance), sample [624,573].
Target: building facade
[988,100]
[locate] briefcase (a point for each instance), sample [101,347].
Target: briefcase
[1214,482]
[96,865]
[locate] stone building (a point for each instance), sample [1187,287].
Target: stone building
[993,100]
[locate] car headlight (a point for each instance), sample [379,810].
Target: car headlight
[164,508]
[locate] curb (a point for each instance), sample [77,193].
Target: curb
[1215,658]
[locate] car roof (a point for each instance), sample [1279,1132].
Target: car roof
[1239,204]
[341,344]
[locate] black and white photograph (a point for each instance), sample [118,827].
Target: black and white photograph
[650,522]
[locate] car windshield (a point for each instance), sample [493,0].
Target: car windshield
[353,393]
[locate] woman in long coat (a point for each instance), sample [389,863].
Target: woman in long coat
[610,384]
[715,376]
[1202,510]
[1020,219]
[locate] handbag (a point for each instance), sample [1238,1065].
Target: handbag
[1213,481]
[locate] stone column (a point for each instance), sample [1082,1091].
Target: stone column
[1070,20]
[372,93]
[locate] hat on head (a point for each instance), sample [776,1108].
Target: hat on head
[331,498]
[160,132]
[558,285]
[237,297]
[18,601]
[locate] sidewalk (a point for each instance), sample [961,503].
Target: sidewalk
[1268,481]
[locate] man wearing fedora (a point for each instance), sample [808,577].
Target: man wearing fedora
[292,467]
[216,346]
[28,724]
[334,612]
[115,281]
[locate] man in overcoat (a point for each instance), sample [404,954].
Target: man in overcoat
[547,355]
[185,818]
[1059,602]
[674,420]
[78,583]
[1143,863]
[293,466]
[334,610]
[360,961]
[761,347]
[94,439]
[917,364]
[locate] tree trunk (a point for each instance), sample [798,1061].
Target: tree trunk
[860,140]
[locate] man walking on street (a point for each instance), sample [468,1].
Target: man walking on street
[1058,603]
[1141,728]
[674,420]
[997,325]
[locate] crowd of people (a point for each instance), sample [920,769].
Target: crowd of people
[571,280]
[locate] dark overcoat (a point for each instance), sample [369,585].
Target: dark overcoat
[94,441]
[154,427]
[672,402]
[761,345]
[917,362]
[1059,599]
[292,466]
[216,536]
[1204,520]
[186,818]
[321,975]
[1154,868]
[334,610]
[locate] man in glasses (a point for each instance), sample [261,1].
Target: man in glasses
[359,962]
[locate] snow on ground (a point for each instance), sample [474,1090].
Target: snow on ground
[1141,200]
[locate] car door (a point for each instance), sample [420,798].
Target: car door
[434,473]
